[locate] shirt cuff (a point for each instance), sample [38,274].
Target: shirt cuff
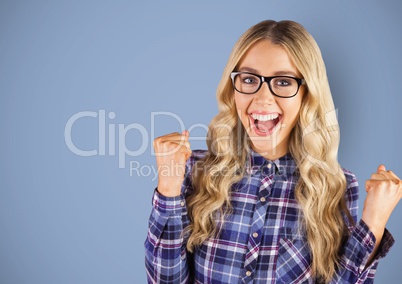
[169,205]
[366,237]
[386,243]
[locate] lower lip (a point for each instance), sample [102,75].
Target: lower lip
[262,133]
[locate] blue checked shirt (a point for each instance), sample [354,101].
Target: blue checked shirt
[261,241]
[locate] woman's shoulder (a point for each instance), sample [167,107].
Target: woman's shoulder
[351,179]
[199,153]
[196,155]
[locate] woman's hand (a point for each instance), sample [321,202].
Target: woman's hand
[172,151]
[384,190]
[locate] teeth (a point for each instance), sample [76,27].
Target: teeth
[267,117]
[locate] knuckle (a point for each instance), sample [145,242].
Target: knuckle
[369,184]
[158,140]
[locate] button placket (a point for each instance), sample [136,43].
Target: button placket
[268,169]
[255,233]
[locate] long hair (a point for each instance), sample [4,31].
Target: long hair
[313,144]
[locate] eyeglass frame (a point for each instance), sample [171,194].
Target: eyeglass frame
[263,79]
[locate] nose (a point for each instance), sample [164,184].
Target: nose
[264,96]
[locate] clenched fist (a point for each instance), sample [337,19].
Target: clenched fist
[384,191]
[172,151]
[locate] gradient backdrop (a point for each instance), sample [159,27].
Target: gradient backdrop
[84,82]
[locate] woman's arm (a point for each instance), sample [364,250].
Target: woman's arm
[165,251]
[166,256]
[384,190]
[361,252]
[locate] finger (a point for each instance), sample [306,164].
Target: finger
[177,136]
[185,133]
[185,144]
[172,143]
[373,184]
[179,139]
[176,140]
[175,144]
[378,176]
[187,153]
[170,136]
[385,175]
[369,185]
[381,168]
[391,175]
[185,138]
[168,148]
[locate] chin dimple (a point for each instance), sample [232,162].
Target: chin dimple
[265,117]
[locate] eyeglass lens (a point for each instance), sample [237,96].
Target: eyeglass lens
[280,86]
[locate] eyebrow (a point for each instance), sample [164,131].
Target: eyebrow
[277,73]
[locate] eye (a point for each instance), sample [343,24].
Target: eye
[283,82]
[249,79]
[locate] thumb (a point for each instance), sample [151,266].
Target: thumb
[185,133]
[381,168]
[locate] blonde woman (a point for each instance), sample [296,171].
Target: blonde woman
[268,202]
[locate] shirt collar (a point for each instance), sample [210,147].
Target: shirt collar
[284,165]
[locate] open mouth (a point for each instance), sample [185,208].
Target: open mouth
[264,124]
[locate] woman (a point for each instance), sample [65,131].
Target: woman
[268,202]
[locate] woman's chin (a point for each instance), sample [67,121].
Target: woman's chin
[268,146]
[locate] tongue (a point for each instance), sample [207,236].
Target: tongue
[265,126]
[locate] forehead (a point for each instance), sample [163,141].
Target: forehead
[267,59]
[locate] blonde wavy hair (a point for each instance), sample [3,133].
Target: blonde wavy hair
[313,144]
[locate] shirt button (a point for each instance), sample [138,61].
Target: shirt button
[269,166]
[182,203]
[262,199]
[255,234]
[248,273]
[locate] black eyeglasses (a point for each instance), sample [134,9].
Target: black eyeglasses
[280,86]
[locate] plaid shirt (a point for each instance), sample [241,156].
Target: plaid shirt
[261,241]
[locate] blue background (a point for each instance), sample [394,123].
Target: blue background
[66,218]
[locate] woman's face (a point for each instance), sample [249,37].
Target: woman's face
[268,119]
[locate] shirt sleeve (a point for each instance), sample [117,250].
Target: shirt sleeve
[166,256]
[360,244]
[165,251]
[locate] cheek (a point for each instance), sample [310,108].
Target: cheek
[291,107]
[242,103]
[293,113]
